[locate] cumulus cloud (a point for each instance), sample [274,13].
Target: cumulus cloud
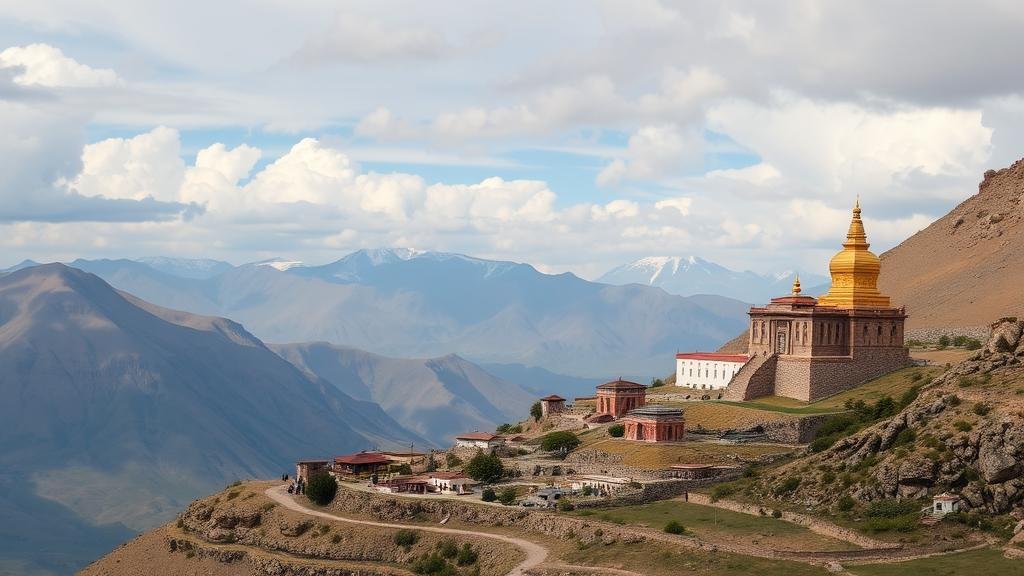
[654,152]
[45,65]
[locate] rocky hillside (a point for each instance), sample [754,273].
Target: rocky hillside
[967,265]
[964,433]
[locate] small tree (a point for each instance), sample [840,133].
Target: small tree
[674,527]
[617,430]
[503,428]
[944,341]
[431,462]
[536,411]
[321,488]
[562,440]
[485,468]
[452,460]
[467,556]
[406,538]
[488,495]
[403,468]
[657,382]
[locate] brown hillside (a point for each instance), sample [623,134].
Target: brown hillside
[967,266]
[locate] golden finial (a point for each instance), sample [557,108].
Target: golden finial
[796,285]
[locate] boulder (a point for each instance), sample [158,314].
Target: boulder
[996,465]
[1005,336]
[917,471]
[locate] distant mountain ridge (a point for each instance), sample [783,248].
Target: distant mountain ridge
[691,275]
[117,412]
[406,303]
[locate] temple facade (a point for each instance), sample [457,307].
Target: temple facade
[620,396]
[655,423]
[810,348]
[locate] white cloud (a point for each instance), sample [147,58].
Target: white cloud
[654,152]
[147,165]
[681,205]
[354,37]
[45,65]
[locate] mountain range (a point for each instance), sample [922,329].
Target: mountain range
[118,412]
[405,303]
[691,275]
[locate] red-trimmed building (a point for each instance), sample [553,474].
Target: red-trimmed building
[620,396]
[707,370]
[361,463]
[552,404]
[655,423]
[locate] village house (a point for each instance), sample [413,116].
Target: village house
[306,468]
[707,370]
[655,423]
[455,483]
[361,463]
[406,484]
[600,485]
[620,396]
[553,404]
[482,440]
[945,503]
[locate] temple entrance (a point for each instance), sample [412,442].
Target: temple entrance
[781,340]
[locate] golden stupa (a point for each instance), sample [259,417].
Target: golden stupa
[855,272]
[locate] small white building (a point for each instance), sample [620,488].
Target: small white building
[945,503]
[482,440]
[600,485]
[450,483]
[707,370]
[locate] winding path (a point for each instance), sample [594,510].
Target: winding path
[535,553]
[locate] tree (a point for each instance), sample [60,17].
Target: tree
[617,430]
[488,495]
[431,462]
[503,428]
[485,468]
[536,411]
[944,341]
[657,382]
[559,441]
[321,488]
[403,468]
[452,460]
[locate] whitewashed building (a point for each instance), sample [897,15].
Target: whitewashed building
[945,503]
[482,440]
[601,485]
[450,483]
[707,370]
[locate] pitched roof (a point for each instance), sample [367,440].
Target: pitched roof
[620,384]
[553,398]
[478,436]
[362,458]
[446,475]
[712,357]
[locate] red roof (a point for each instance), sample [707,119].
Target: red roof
[477,436]
[713,356]
[446,475]
[553,398]
[362,458]
[620,384]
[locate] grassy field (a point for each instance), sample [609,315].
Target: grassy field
[657,456]
[715,525]
[661,559]
[988,560]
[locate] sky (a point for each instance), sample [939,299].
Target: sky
[571,135]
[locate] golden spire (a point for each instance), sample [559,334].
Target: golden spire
[796,285]
[855,271]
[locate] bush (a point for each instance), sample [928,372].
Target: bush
[452,460]
[674,527]
[406,538]
[982,409]
[565,505]
[787,486]
[488,495]
[719,491]
[891,508]
[910,395]
[906,523]
[536,411]
[965,382]
[503,428]
[433,565]
[321,488]
[617,430]
[657,383]
[485,468]
[952,400]
[962,425]
[845,503]
[973,344]
[559,441]
[467,555]
[944,341]
[776,513]
[906,436]
[508,496]
[447,548]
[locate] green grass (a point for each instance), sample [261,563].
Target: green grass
[989,560]
[697,518]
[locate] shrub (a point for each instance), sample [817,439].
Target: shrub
[536,411]
[447,548]
[910,395]
[657,382]
[965,382]
[467,556]
[973,344]
[891,508]
[488,495]
[962,425]
[503,428]
[906,523]
[617,430]
[565,505]
[845,503]
[916,376]
[674,527]
[508,496]
[787,486]
[944,341]
[336,538]
[485,468]
[562,440]
[452,460]
[406,538]
[433,565]
[982,409]
[321,488]
[906,436]
[776,513]
[952,400]
[719,491]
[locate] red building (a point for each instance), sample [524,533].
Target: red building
[620,396]
[552,404]
[361,463]
[655,424]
